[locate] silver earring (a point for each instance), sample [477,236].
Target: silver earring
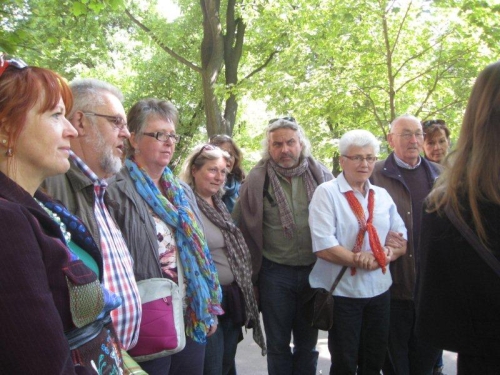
[4,141]
[9,152]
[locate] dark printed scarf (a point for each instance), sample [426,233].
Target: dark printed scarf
[238,257]
[287,221]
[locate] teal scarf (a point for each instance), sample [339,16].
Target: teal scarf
[203,291]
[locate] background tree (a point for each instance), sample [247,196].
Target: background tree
[230,65]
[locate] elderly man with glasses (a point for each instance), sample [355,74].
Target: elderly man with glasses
[99,117]
[408,178]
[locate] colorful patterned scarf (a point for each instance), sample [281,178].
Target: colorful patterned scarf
[82,237]
[203,291]
[364,226]
[287,221]
[238,257]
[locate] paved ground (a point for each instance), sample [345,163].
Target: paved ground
[249,361]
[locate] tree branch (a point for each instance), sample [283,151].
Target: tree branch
[257,70]
[148,31]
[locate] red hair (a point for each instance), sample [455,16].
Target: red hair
[22,89]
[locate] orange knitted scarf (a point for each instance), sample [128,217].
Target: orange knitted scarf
[364,226]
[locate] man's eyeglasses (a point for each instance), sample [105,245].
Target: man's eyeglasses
[407,135]
[359,159]
[16,63]
[207,147]
[428,123]
[164,137]
[288,118]
[117,121]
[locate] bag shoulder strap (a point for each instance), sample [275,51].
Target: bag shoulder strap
[473,240]
[337,280]
[266,192]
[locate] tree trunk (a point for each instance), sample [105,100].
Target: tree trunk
[212,53]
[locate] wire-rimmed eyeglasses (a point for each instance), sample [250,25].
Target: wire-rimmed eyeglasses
[117,121]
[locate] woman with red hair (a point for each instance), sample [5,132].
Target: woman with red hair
[54,313]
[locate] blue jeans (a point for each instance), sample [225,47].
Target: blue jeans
[221,348]
[359,336]
[279,290]
[187,361]
[407,355]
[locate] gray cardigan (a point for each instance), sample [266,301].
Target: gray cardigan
[132,214]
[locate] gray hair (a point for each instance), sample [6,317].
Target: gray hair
[89,92]
[404,117]
[143,110]
[286,124]
[359,138]
[197,159]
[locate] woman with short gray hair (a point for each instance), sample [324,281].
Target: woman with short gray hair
[350,219]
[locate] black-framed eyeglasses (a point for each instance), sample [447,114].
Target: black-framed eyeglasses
[359,159]
[16,63]
[207,147]
[428,123]
[288,118]
[117,121]
[164,137]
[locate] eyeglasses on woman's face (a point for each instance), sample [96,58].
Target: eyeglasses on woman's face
[358,159]
[164,137]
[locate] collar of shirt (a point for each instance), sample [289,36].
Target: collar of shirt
[87,171]
[345,187]
[404,165]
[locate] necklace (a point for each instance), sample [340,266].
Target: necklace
[57,219]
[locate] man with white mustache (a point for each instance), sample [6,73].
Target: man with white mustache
[99,117]
[408,178]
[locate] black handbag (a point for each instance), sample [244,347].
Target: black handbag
[318,305]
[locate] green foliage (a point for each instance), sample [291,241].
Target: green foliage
[334,65]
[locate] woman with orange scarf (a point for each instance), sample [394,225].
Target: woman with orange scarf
[350,220]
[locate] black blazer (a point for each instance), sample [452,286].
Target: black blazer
[458,295]
[34,298]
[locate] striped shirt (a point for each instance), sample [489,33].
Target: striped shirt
[117,264]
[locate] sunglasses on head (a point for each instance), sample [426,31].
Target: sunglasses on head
[207,147]
[220,138]
[288,118]
[16,63]
[428,123]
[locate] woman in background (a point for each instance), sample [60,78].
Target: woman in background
[205,171]
[161,224]
[436,140]
[459,294]
[54,313]
[235,175]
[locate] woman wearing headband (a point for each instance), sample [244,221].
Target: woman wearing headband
[205,171]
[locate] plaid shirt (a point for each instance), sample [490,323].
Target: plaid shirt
[117,264]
